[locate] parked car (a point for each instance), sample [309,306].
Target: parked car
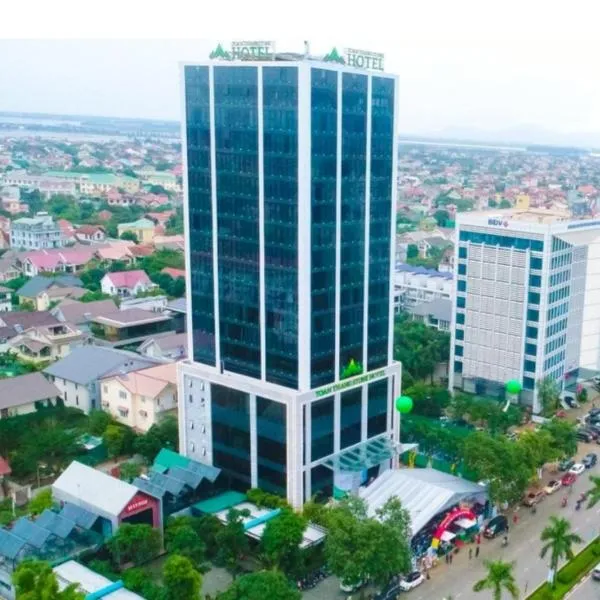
[348,588]
[589,460]
[496,526]
[571,400]
[410,581]
[584,436]
[593,434]
[566,464]
[533,497]
[577,469]
[568,479]
[390,592]
[596,572]
[552,486]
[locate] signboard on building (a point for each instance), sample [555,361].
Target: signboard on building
[342,385]
[136,504]
[364,59]
[245,50]
[497,222]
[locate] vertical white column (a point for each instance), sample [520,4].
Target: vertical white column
[338,225]
[295,452]
[215,222]
[186,219]
[261,229]
[365,356]
[393,223]
[307,448]
[337,414]
[253,442]
[304,225]
[394,386]
[364,417]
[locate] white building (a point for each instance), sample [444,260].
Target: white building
[414,286]
[35,233]
[527,301]
[291,378]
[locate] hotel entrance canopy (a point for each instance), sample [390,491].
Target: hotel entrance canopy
[362,456]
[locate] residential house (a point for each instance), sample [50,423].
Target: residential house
[47,185]
[174,273]
[67,231]
[142,228]
[35,233]
[10,200]
[167,347]
[141,398]
[90,233]
[125,327]
[15,323]
[77,376]
[5,299]
[172,242]
[25,394]
[164,179]
[82,313]
[150,303]
[46,342]
[8,271]
[418,285]
[98,183]
[41,291]
[429,244]
[153,200]
[65,260]
[126,283]
[116,252]
[160,218]
[447,261]
[437,313]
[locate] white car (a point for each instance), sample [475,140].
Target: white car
[412,580]
[577,469]
[348,588]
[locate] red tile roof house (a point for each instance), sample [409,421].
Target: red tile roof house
[174,273]
[56,261]
[126,283]
[90,233]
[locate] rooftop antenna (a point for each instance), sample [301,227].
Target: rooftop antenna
[306,49]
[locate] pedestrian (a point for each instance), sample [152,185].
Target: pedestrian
[447,557]
[470,553]
[427,574]
[478,538]
[477,552]
[450,557]
[515,518]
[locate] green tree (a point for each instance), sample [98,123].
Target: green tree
[34,200]
[40,502]
[98,421]
[359,548]
[182,538]
[94,296]
[441,216]
[35,580]
[231,541]
[281,540]
[429,401]
[129,235]
[134,543]
[263,585]
[548,394]
[594,493]
[181,580]
[558,541]
[492,203]
[92,277]
[412,251]
[500,577]
[564,434]
[129,471]
[538,448]
[504,203]
[114,440]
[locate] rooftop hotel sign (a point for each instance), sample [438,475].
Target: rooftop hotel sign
[361,59]
[342,385]
[245,51]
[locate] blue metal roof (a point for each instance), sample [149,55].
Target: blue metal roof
[404,268]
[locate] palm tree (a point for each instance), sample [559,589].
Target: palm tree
[594,493]
[499,577]
[559,541]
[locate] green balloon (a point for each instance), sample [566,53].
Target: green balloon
[513,386]
[404,404]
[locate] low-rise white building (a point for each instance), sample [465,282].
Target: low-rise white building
[417,285]
[35,233]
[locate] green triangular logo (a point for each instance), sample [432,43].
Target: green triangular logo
[218,52]
[334,56]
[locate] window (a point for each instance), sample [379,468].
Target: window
[105,389]
[535,281]
[533,315]
[191,425]
[536,263]
[122,395]
[460,302]
[462,286]
[458,350]
[528,383]
[460,318]
[460,334]
[530,349]
[462,253]
[534,298]
[462,269]
[458,366]
[531,332]
[191,399]
[192,446]
[529,365]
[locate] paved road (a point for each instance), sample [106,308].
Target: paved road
[588,589]
[524,548]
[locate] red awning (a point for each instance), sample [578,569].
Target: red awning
[4,467]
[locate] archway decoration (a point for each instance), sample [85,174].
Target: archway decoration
[457,513]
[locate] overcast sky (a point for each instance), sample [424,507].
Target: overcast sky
[463,64]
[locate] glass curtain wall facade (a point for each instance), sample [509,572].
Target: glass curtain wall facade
[236,144]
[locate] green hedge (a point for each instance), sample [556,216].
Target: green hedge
[569,574]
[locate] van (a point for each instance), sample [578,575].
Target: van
[496,526]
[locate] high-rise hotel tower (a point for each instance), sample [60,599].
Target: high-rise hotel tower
[290,165]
